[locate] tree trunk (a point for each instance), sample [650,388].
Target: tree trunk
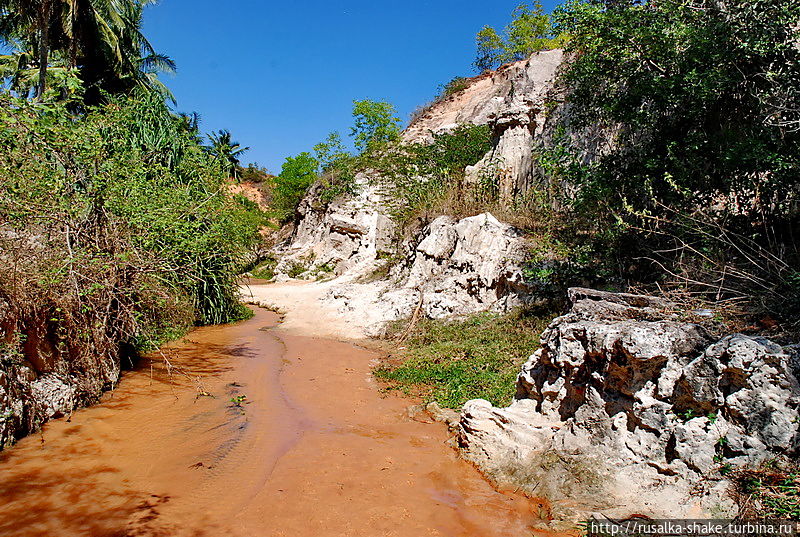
[44,45]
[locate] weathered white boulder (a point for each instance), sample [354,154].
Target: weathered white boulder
[345,233]
[468,265]
[651,405]
[458,267]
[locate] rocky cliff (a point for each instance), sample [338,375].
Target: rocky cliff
[627,408]
[513,101]
[452,266]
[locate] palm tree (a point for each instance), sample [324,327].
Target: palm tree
[226,150]
[30,20]
[19,72]
[101,38]
[190,123]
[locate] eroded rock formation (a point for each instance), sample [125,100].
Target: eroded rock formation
[343,234]
[456,267]
[627,408]
[513,102]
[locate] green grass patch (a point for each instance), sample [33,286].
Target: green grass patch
[265,270]
[453,361]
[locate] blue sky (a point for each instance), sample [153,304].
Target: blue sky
[281,75]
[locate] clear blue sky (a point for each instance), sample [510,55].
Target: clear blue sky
[281,75]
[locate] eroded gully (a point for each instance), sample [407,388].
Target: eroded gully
[254,432]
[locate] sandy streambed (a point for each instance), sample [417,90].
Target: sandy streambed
[294,439]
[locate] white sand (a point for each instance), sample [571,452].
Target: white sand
[304,311]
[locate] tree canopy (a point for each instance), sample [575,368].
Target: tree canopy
[100,41]
[529,31]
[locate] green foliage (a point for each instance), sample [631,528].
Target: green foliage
[452,362]
[423,175]
[456,85]
[227,151]
[771,491]
[702,108]
[529,31]
[148,212]
[253,173]
[296,269]
[100,40]
[338,167]
[375,128]
[376,125]
[697,91]
[265,270]
[491,49]
[297,175]
[331,152]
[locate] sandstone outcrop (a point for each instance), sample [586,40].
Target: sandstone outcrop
[627,408]
[457,267]
[453,266]
[343,234]
[512,101]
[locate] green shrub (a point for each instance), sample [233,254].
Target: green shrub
[297,175]
[456,85]
[128,214]
[429,178]
[529,31]
[265,270]
[296,268]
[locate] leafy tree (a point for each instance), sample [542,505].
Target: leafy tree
[491,49]
[529,31]
[297,175]
[20,74]
[705,96]
[226,151]
[700,104]
[331,152]
[30,20]
[376,124]
[127,60]
[150,222]
[338,167]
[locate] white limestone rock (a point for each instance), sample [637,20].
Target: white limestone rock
[655,399]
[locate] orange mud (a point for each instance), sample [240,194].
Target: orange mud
[311,449]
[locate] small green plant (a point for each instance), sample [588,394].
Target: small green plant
[265,270]
[238,400]
[296,268]
[297,175]
[456,85]
[775,487]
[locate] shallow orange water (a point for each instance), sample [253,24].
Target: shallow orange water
[293,440]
